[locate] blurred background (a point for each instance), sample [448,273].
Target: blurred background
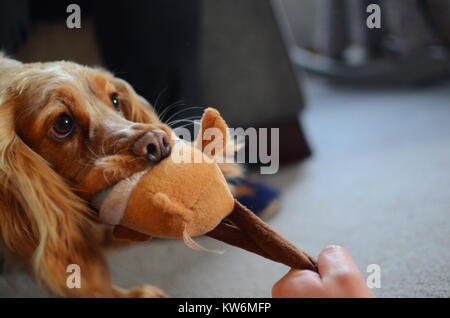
[364,119]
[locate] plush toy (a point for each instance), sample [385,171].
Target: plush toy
[186,195]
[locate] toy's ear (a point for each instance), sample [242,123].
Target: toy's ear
[213,132]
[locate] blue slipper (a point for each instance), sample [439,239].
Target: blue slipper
[256,196]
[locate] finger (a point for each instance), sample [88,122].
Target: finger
[335,261]
[297,283]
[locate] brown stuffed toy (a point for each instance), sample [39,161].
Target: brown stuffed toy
[190,197]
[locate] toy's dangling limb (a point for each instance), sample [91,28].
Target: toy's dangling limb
[187,239]
[257,237]
[166,205]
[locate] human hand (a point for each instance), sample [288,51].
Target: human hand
[338,277]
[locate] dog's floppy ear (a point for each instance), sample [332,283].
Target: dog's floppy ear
[39,214]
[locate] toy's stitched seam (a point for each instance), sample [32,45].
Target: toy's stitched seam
[198,199]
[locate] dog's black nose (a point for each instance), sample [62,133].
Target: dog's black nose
[154,145]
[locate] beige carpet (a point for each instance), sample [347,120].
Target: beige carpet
[378,184]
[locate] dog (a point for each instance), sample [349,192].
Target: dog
[66,132]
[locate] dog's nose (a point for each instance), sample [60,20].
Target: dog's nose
[154,145]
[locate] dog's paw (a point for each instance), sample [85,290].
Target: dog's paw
[146,291]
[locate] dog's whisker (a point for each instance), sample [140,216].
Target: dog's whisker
[187,124]
[191,119]
[194,117]
[104,177]
[176,129]
[118,141]
[170,107]
[134,159]
[92,151]
[155,106]
[87,164]
[102,148]
[181,111]
[120,151]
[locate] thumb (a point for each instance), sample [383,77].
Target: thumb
[334,261]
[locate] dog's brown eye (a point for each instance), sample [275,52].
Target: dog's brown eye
[63,126]
[115,101]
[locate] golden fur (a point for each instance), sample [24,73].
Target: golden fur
[45,220]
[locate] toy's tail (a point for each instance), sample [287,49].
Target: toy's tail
[249,232]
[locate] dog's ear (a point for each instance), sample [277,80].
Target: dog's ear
[39,214]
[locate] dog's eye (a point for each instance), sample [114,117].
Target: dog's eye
[63,126]
[115,101]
